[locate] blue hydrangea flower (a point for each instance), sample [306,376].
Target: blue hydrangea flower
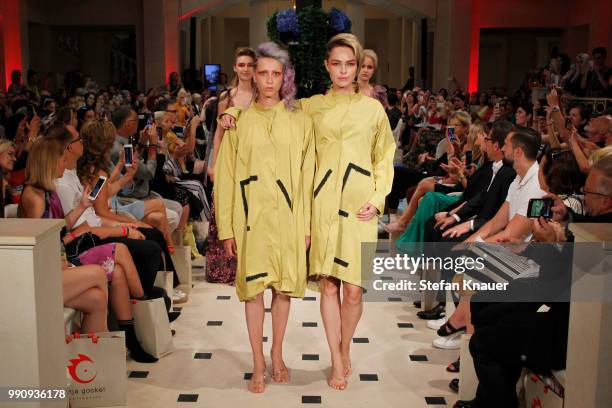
[339,21]
[287,22]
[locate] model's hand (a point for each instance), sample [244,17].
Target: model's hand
[227,121]
[307,239]
[229,245]
[366,212]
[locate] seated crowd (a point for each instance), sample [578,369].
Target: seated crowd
[469,165]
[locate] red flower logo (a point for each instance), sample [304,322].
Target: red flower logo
[72,369]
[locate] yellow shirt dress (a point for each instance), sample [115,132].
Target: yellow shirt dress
[354,165]
[263,189]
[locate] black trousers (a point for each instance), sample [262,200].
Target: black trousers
[403,179]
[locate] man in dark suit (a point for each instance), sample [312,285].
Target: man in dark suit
[485,192]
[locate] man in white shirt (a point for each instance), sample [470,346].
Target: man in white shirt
[510,223]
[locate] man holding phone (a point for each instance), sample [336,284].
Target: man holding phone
[125,120]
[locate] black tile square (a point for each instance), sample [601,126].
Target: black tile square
[394,299]
[202,356]
[385,277]
[138,374]
[248,376]
[214,323]
[435,400]
[177,309]
[311,399]
[268,310]
[264,339]
[309,324]
[311,357]
[361,340]
[309,298]
[418,357]
[405,325]
[368,377]
[187,398]
[223,297]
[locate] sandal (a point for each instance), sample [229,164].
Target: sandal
[453,367]
[454,385]
[448,329]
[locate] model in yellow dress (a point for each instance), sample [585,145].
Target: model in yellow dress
[354,158]
[263,189]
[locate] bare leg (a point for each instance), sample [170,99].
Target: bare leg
[155,215]
[426,185]
[330,312]
[254,310]
[462,315]
[280,314]
[85,289]
[120,295]
[351,311]
[125,261]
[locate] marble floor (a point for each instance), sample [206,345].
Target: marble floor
[394,363]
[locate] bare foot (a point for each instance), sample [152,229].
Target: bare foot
[346,363]
[257,385]
[280,373]
[336,379]
[395,227]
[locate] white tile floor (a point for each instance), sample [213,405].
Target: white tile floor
[218,381]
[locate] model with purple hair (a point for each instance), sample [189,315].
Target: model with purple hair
[263,190]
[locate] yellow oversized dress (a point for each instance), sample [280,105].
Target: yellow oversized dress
[263,189]
[354,165]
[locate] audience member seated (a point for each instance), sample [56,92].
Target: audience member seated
[39,200]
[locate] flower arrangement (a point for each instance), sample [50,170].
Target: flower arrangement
[305,34]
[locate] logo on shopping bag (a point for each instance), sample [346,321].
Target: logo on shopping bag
[536,403]
[77,374]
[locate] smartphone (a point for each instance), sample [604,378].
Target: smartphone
[97,188]
[540,207]
[468,158]
[440,105]
[128,151]
[450,133]
[159,134]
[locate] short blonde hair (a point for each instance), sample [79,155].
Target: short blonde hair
[42,162]
[368,53]
[5,144]
[346,40]
[463,117]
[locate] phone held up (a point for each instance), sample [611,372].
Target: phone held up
[128,151]
[97,188]
[540,207]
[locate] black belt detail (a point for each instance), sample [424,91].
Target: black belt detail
[285,193]
[323,181]
[343,213]
[353,166]
[259,275]
[243,184]
[341,262]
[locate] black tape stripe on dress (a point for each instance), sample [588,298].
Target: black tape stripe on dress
[323,181]
[259,275]
[243,184]
[341,262]
[285,193]
[343,213]
[353,166]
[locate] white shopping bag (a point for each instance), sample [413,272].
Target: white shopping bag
[152,326]
[96,369]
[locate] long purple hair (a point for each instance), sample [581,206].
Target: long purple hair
[288,89]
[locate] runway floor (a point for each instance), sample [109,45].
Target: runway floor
[394,364]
